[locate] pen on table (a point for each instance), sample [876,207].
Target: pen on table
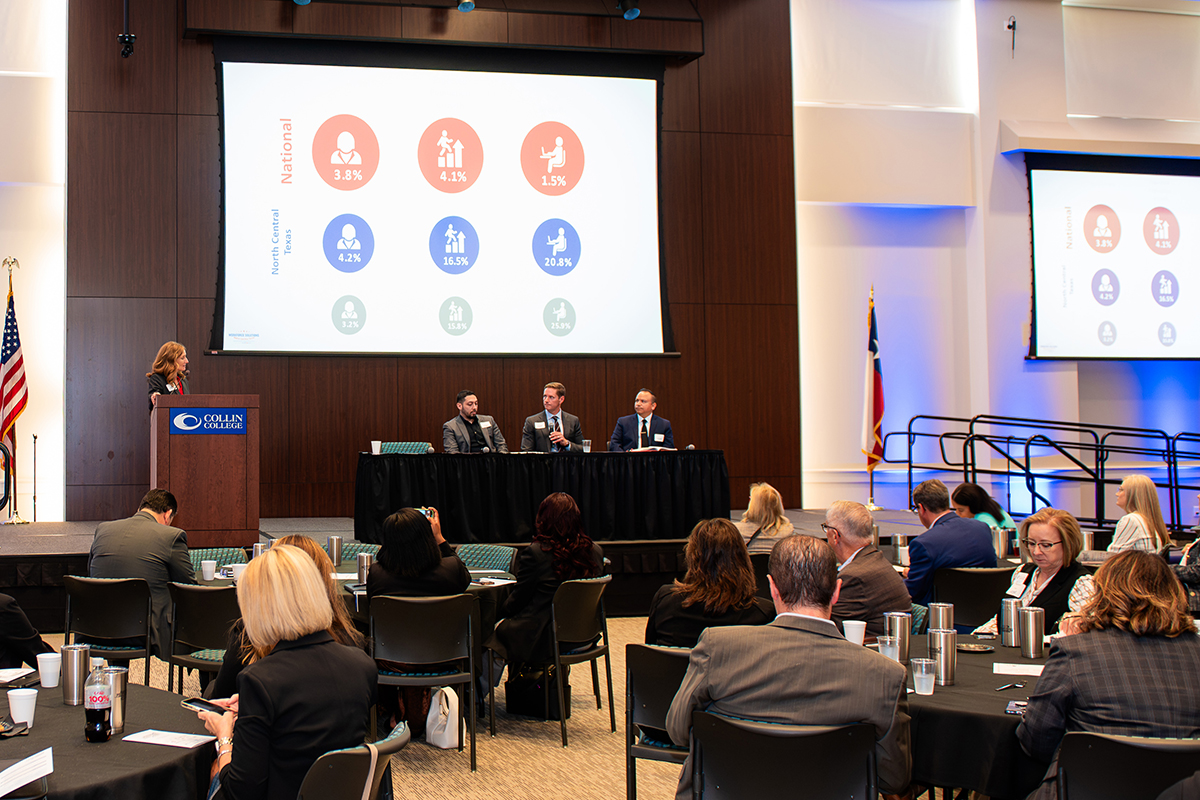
[1010,686]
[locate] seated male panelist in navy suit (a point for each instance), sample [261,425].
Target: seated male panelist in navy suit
[643,428]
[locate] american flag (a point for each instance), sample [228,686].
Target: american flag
[872,442]
[13,389]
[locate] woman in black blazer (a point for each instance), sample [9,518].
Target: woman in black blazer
[302,696]
[169,373]
[718,589]
[560,551]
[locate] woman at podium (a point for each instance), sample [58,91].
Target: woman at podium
[169,374]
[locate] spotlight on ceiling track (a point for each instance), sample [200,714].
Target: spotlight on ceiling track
[465,6]
[301,2]
[628,8]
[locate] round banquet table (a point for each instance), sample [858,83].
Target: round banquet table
[116,770]
[961,736]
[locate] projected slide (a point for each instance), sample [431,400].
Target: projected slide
[417,211]
[1114,254]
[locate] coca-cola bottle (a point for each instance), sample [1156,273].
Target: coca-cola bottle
[97,704]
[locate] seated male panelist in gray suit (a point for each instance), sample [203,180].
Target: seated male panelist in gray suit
[553,430]
[470,431]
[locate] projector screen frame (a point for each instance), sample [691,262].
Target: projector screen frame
[464,58]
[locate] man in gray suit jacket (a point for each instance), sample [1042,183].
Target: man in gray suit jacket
[146,546]
[553,430]
[798,669]
[470,431]
[869,586]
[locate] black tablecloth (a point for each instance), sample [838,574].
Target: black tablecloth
[961,735]
[116,770]
[495,498]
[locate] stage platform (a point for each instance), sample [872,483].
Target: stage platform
[34,558]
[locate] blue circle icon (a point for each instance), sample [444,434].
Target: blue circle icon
[556,247]
[454,245]
[348,243]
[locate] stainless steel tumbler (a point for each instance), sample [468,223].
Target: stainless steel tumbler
[365,560]
[335,550]
[118,681]
[258,550]
[941,616]
[943,649]
[898,540]
[1032,624]
[899,624]
[1000,542]
[75,660]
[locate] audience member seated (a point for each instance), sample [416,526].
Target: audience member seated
[415,560]
[1128,669]
[970,501]
[764,522]
[146,546]
[798,669]
[20,643]
[1188,572]
[870,586]
[949,541]
[1142,527]
[560,551]
[303,693]
[1055,581]
[718,589]
[239,652]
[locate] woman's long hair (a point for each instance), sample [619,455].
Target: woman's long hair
[1141,498]
[164,362]
[559,530]
[1138,593]
[978,501]
[719,574]
[282,598]
[765,509]
[409,549]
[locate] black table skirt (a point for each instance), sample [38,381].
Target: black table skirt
[117,770]
[494,498]
[961,736]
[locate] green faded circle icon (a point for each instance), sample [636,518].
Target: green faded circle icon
[455,316]
[559,317]
[349,315]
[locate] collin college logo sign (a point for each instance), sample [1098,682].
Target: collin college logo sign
[208,420]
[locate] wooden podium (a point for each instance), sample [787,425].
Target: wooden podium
[204,450]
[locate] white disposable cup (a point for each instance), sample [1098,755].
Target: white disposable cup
[890,647]
[49,666]
[855,630]
[237,570]
[208,570]
[21,705]
[903,556]
[924,672]
[587,445]
[376,447]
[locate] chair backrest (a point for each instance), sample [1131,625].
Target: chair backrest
[578,610]
[736,758]
[652,677]
[201,617]
[107,608]
[487,556]
[406,447]
[920,616]
[1096,766]
[759,562]
[354,773]
[221,555]
[422,630]
[350,551]
[976,592]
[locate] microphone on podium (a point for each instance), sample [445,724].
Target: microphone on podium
[429,449]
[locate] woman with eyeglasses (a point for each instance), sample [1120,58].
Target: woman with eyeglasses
[1054,580]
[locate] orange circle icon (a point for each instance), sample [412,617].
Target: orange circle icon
[1102,229]
[450,155]
[552,158]
[345,152]
[1161,230]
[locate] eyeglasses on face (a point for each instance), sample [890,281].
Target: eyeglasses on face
[1040,545]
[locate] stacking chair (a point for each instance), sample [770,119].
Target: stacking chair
[109,608]
[920,619]
[221,555]
[652,677]
[1097,766]
[577,615]
[406,447]
[350,551]
[759,562]
[201,617]
[738,758]
[354,773]
[428,630]
[487,556]
[976,592]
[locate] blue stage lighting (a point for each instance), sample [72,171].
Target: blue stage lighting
[465,6]
[629,8]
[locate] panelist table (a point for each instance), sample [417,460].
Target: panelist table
[494,498]
[116,769]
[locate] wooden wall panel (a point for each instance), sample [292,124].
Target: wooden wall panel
[746,71]
[197,77]
[681,96]
[584,379]
[99,503]
[449,24]
[682,219]
[788,486]
[749,219]
[657,36]
[111,344]
[120,205]
[99,79]
[243,16]
[429,386]
[558,30]
[198,204]
[346,21]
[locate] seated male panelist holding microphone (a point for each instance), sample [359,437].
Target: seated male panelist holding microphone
[470,431]
[553,430]
[642,428]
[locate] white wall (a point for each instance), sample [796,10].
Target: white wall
[33,62]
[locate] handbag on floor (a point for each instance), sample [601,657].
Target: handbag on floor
[442,724]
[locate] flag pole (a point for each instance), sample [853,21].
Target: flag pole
[873,409]
[15,518]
